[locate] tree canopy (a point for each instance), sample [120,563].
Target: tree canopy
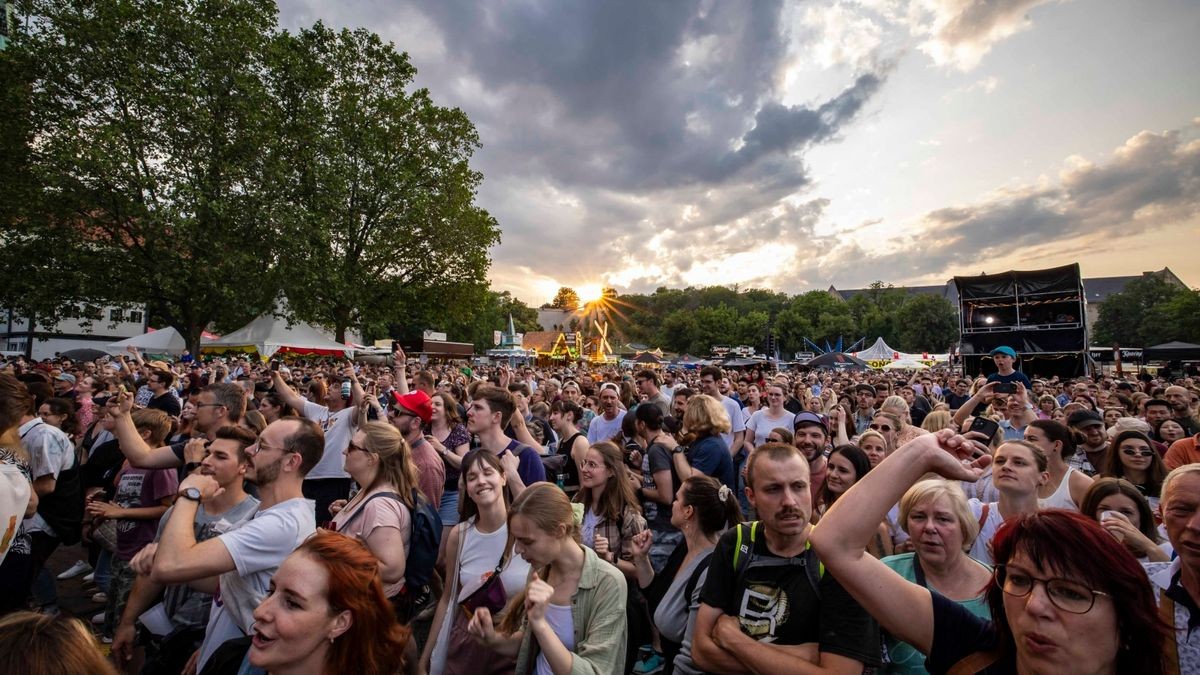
[1148,312]
[190,156]
[566,298]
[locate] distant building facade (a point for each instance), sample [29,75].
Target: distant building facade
[93,327]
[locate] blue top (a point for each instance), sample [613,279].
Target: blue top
[710,456]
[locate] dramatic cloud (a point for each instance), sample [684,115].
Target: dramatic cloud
[960,32]
[648,143]
[1152,180]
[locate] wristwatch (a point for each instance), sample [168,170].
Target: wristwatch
[192,493]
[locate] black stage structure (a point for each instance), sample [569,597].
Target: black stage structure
[1038,313]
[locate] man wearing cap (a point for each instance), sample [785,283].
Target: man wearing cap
[864,411]
[328,481]
[409,413]
[64,386]
[810,437]
[1093,451]
[1005,357]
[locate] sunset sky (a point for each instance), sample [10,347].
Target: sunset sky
[796,145]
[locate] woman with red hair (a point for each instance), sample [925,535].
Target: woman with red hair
[1065,596]
[324,612]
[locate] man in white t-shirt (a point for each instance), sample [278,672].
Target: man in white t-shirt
[56,483]
[237,565]
[608,424]
[710,378]
[328,480]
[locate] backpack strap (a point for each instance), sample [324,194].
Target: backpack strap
[363,506]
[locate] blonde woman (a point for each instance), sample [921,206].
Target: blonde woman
[703,450]
[571,616]
[897,406]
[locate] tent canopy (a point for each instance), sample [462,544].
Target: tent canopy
[269,335]
[1172,351]
[164,341]
[837,361]
[647,357]
[880,351]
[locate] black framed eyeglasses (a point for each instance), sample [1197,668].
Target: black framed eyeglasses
[1065,594]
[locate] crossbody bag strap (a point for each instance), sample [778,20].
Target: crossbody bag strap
[1166,612]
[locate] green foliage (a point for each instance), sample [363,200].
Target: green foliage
[1149,311]
[566,298]
[190,156]
[926,323]
[491,314]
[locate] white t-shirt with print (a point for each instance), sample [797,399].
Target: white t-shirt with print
[338,428]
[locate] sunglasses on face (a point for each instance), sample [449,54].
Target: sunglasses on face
[881,427]
[1129,452]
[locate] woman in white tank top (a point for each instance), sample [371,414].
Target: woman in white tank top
[1066,487]
[1019,471]
[476,547]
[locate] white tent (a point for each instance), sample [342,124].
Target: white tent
[163,341]
[269,335]
[880,351]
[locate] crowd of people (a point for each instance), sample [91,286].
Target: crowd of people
[304,515]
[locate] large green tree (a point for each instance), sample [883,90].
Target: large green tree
[384,228]
[1141,316]
[142,176]
[926,323]
[566,298]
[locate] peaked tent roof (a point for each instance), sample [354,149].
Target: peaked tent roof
[880,351]
[164,341]
[269,335]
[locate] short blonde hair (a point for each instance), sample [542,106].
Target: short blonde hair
[936,421]
[933,488]
[705,417]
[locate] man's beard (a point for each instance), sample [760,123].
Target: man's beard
[810,451]
[266,475]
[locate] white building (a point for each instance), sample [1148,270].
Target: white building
[95,327]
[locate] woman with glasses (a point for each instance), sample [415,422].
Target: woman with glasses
[378,459]
[58,413]
[888,424]
[1131,456]
[1122,509]
[477,549]
[905,429]
[1065,596]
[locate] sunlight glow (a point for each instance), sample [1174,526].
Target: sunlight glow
[589,293]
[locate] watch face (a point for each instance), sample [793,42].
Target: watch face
[192,493]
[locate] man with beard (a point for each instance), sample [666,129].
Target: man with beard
[409,413]
[1181,409]
[226,461]
[766,606]
[244,557]
[1092,454]
[810,437]
[864,412]
[218,405]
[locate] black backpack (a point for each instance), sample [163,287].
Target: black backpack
[424,539]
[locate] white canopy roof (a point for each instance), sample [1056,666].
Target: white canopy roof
[269,334]
[163,341]
[880,351]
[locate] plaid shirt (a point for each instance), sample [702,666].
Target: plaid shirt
[620,535]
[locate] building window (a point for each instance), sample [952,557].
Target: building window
[135,316]
[116,315]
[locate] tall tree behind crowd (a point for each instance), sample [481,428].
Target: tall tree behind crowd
[143,177]
[189,156]
[383,227]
